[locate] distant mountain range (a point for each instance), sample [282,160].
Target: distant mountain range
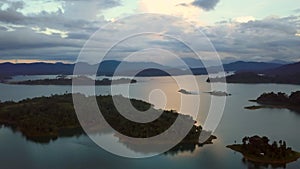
[127,68]
[239,66]
[286,74]
[289,69]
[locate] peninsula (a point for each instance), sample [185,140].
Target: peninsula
[81,80]
[253,78]
[285,74]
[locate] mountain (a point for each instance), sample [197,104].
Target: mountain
[107,67]
[239,66]
[250,66]
[129,68]
[126,68]
[285,70]
[280,61]
[36,68]
[286,74]
[195,63]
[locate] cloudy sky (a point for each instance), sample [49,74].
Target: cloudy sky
[56,30]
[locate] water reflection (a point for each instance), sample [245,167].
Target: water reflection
[181,148]
[256,165]
[83,153]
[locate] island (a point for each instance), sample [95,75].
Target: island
[257,149]
[43,119]
[80,80]
[278,100]
[183,91]
[219,93]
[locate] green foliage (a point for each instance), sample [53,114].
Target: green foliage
[54,116]
[258,149]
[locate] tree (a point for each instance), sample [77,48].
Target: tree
[284,145]
[245,140]
[280,143]
[265,139]
[274,145]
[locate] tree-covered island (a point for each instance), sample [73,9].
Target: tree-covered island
[278,100]
[46,118]
[257,149]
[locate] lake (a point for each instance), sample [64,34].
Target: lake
[81,153]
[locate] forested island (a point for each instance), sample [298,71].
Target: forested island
[278,100]
[219,93]
[253,77]
[81,80]
[183,91]
[46,118]
[257,149]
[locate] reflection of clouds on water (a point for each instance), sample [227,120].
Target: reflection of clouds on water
[254,165]
[215,156]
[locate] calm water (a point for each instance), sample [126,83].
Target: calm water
[82,153]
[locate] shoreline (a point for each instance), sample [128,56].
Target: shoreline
[54,116]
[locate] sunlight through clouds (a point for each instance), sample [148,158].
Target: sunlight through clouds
[59,28]
[179,8]
[244,19]
[49,31]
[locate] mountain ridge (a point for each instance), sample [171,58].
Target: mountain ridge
[108,67]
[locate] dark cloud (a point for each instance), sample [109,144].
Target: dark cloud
[11,15]
[24,43]
[78,28]
[274,38]
[270,38]
[38,36]
[206,5]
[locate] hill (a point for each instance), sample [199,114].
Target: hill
[286,74]
[289,69]
[250,66]
[108,67]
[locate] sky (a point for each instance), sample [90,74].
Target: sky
[57,30]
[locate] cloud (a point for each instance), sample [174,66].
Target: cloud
[178,8]
[55,35]
[244,19]
[296,10]
[272,37]
[25,43]
[10,13]
[13,5]
[206,5]
[60,35]
[71,11]
[102,4]
[63,21]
